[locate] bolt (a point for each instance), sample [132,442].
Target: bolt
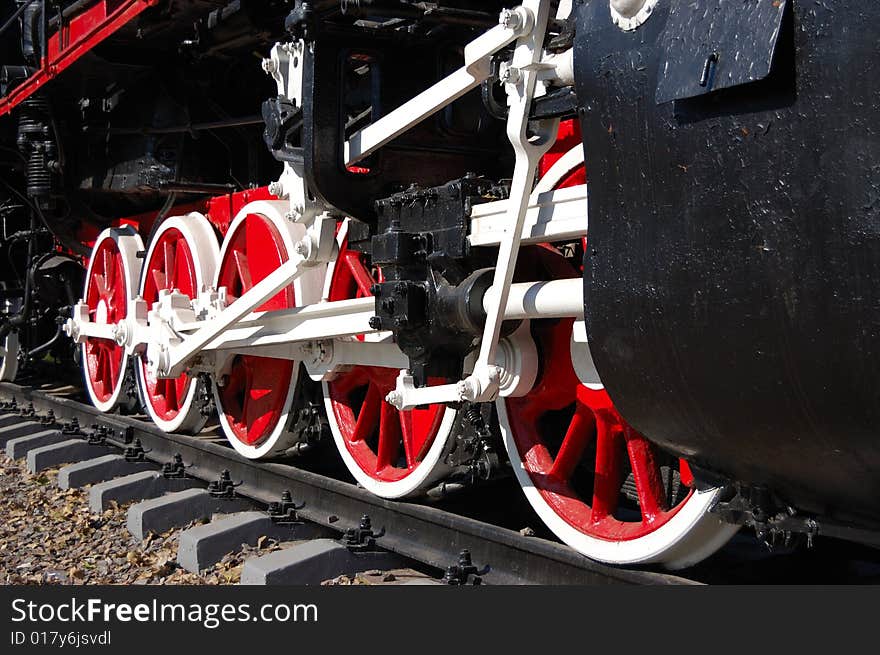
[375,323]
[467,390]
[395,398]
[302,249]
[295,214]
[511,20]
[120,333]
[276,189]
[270,66]
[511,74]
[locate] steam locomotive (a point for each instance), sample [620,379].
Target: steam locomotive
[626,251]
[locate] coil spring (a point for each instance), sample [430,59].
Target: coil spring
[37,145]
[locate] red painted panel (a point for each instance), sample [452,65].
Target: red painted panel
[222,209]
[73,40]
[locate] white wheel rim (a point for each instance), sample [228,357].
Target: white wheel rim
[129,244]
[307,289]
[429,471]
[9,358]
[199,237]
[689,536]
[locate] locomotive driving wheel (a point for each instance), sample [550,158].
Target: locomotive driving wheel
[391,453]
[182,257]
[599,485]
[254,395]
[111,280]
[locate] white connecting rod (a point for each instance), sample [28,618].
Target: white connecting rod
[348,318]
[477,69]
[300,332]
[553,299]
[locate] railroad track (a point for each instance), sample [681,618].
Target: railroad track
[428,535]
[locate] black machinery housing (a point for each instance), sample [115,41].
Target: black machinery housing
[731,288]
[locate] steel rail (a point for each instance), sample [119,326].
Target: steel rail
[422,533]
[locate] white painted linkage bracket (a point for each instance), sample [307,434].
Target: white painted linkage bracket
[559,215]
[324,358]
[530,142]
[173,362]
[330,320]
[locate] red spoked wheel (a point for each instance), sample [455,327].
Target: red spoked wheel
[254,395]
[600,486]
[111,279]
[391,453]
[182,257]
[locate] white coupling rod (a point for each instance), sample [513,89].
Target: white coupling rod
[179,354]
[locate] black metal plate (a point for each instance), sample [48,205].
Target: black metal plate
[731,279]
[717,44]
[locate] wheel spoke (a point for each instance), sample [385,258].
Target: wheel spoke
[685,472]
[609,469]
[159,279]
[359,272]
[107,373]
[168,264]
[259,403]
[100,377]
[101,287]
[389,437]
[184,279]
[646,473]
[170,393]
[369,414]
[573,445]
[109,269]
[244,271]
[347,382]
[408,436]
[114,371]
